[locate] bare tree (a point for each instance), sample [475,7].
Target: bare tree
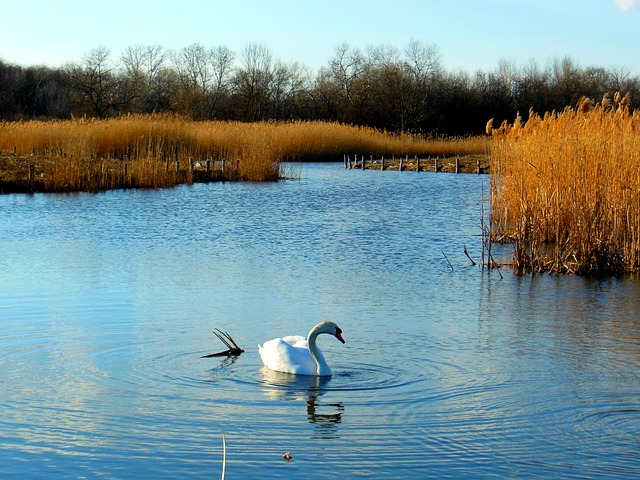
[252,81]
[193,65]
[193,76]
[347,66]
[221,60]
[12,80]
[421,68]
[143,67]
[423,60]
[94,83]
[201,79]
[289,83]
[383,56]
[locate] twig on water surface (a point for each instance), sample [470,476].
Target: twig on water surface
[445,256]
[224,456]
[233,349]
[496,265]
[469,256]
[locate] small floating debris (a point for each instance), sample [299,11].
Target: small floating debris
[287,456]
[233,350]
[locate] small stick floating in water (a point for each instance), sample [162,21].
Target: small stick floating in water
[233,349]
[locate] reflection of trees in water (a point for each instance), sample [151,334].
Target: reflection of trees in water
[324,416]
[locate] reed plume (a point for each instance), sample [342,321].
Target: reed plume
[489,127]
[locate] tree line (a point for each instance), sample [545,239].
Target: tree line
[398,90]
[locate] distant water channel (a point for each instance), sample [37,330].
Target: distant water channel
[108,301]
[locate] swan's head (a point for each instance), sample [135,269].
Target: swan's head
[330,328]
[338,334]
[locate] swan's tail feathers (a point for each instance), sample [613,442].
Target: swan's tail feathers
[233,350]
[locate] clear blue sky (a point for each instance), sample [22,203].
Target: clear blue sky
[471,34]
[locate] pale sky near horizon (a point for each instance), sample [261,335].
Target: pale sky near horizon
[470,34]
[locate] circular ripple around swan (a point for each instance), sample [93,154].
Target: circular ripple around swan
[354,377]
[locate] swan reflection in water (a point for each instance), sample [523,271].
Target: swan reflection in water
[283,386]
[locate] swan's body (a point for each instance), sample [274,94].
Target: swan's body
[298,355]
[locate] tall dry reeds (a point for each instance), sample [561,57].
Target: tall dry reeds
[157,151]
[566,189]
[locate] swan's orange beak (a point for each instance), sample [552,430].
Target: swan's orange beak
[339,336]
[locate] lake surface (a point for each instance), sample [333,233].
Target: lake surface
[108,301]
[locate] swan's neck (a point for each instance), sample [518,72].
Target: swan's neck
[322,369]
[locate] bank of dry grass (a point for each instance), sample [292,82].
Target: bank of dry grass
[566,189]
[154,151]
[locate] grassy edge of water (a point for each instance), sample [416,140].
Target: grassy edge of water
[158,151]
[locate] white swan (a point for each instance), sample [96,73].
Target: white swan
[298,355]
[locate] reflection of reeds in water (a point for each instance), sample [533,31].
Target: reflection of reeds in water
[155,151]
[566,189]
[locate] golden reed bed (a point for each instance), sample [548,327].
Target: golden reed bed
[566,189]
[155,151]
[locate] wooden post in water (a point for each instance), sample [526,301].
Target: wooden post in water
[478,166]
[435,165]
[457,165]
[417,163]
[401,165]
[344,159]
[383,163]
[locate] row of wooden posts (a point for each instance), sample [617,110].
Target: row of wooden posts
[403,162]
[200,170]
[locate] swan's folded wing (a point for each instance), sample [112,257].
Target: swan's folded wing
[281,356]
[296,341]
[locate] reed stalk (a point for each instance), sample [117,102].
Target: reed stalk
[566,189]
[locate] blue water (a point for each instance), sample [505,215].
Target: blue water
[108,301]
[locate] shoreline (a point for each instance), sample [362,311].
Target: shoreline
[25,173]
